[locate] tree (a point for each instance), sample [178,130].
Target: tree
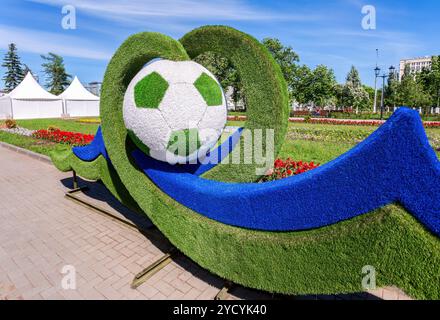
[25,71]
[354,94]
[339,95]
[435,79]
[57,77]
[301,91]
[353,77]
[370,91]
[411,92]
[319,86]
[224,71]
[13,74]
[391,90]
[287,59]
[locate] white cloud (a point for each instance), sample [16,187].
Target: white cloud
[136,11]
[42,42]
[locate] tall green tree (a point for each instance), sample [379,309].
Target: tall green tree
[354,94]
[411,92]
[392,90]
[26,70]
[320,86]
[288,60]
[300,90]
[13,74]
[57,79]
[353,77]
[435,79]
[224,71]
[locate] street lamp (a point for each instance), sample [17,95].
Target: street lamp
[384,76]
[376,73]
[392,70]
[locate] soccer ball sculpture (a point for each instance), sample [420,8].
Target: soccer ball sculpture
[291,236]
[174,111]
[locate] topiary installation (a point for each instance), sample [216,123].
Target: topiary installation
[326,252]
[168,100]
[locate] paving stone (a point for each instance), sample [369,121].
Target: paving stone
[41,232]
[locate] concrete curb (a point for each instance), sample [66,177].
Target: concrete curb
[29,153]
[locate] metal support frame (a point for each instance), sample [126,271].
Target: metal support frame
[75,180]
[224,292]
[157,265]
[153,268]
[72,195]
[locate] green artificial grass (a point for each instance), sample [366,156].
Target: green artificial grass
[327,260]
[182,142]
[138,142]
[209,89]
[263,84]
[317,151]
[149,92]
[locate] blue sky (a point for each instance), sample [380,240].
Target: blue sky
[321,31]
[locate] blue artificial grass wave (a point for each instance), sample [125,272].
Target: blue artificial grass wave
[395,164]
[97,147]
[93,150]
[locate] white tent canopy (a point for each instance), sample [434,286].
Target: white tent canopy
[79,102]
[29,101]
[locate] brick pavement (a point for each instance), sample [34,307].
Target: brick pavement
[41,232]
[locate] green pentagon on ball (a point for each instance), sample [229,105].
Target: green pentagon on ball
[209,90]
[184,142]
[138,142]
[149,92]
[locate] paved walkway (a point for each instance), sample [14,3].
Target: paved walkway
[41,232]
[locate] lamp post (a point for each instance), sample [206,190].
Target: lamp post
[376,73]
[382,100]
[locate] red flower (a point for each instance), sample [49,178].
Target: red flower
[66,137]
[283,169]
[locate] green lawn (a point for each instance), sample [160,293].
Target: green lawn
[36,145]
[62,124]
[322,143]
[308,142]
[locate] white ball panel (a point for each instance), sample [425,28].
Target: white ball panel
[182,106]
[209,137]
[147,124]
[214,118]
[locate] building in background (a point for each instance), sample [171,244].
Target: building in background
[94,87]
[231,104]
[416,65]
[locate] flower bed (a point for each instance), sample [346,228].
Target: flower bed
[89,120]
[236,118]
[65,137]
[287,168]
[349,122]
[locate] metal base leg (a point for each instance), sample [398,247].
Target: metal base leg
[153,268]
[224,292]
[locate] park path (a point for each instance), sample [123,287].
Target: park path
[41,232]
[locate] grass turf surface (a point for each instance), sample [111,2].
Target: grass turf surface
[263,84]
[327,260]
[149,92]
[209,89]
[364,240]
